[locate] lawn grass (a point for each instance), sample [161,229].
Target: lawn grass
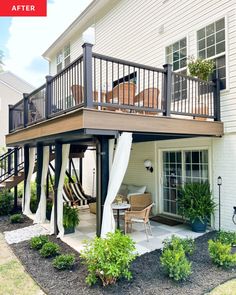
[228,288]
[13,278]
[14,281]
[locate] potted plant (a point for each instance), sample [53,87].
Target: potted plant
[201,68]
[70,219]
[196,204]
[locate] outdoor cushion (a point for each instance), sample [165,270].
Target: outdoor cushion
[135,189]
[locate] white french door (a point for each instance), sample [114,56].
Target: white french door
[179,167]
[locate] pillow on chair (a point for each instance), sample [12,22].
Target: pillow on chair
[136,189]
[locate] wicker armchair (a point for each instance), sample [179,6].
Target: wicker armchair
[139,217]
[139,201]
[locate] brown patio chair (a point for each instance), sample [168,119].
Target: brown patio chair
[122,94]
[139,217]
[78,94]
[140,201]
[148,98]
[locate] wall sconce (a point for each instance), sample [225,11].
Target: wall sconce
[148,165]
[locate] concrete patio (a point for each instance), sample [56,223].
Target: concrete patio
[87,227]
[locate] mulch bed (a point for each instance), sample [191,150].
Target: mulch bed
[6,225]
[148,277]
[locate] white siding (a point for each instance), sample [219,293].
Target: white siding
[136,173]
[224,159]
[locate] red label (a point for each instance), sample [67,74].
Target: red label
[23,7]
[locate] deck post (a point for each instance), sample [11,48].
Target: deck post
[9,161]
[102,178]
[81,170]
[216,99]
[58,162]
[39,171]
[16,162]
[26,168]
[48,97]
[10,125]
[167,89]
[88,75]
[26,109]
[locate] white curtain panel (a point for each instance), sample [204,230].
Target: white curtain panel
[40,216]
[65,158]
[27,194]
[117,173]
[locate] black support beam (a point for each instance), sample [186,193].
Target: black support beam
[26,168]
[58,162]
[39,171]
[102,167]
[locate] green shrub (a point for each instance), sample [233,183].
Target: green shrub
[188,245]
[49,249]
[108,259]
[33,200]
[6,202]
[221,254]
[173,258]
[38,242]
[65,261]
[20,189]
[17,218]
[226,237]
[176,264]
[70,217]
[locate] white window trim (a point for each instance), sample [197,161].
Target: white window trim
[63,55]
[159,173]
[187,51]
[203,25]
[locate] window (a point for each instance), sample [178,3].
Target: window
[59,61]
[63,58]
[67,55]
[176,54]
[211,45]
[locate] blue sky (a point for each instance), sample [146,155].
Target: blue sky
[4,27]
[24,39]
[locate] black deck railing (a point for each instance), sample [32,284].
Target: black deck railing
[106,83]
[11,163]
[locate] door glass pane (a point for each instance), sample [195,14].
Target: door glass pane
[172,179]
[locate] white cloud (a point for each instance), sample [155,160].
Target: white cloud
[29,37]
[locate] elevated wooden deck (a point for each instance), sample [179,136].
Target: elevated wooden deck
[97,122]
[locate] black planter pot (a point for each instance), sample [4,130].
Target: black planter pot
[198,226]
[69,230]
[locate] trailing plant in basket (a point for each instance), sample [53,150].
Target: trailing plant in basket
[201,68]
[109,259]
[195,201]
[70,217]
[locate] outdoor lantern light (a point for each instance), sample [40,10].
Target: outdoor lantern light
[219,183]
[148,165]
